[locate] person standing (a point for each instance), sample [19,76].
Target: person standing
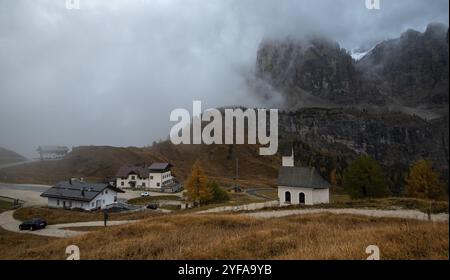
[105,216]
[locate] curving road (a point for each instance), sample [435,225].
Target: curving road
[2,166]
[255,192]
[8,223]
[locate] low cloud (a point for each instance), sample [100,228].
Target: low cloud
[111,73]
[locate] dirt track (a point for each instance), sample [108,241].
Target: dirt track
[404,214]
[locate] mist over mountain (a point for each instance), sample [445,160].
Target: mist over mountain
[407,74]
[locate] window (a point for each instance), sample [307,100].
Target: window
[57,202]
[106,191]
[287,197]
[133,177]
[143,184]
[93,204]
[115,198]
[301,198]
[122,183]
[158,184]
[151,177]
[103,201]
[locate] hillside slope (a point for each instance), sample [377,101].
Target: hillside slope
[95,163]
[7,156]
[328,139]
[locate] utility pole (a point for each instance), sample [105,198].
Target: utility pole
[237,168]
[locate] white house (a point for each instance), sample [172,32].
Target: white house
[130,176]
[81,195]
[52,152]
[156,177]
[300,185]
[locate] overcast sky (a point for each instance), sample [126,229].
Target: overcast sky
[111,72]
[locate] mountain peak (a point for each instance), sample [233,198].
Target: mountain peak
[409,71]
[437,29]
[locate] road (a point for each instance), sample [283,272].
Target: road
[8,223]
[2,166]
[254,192]
[29,193]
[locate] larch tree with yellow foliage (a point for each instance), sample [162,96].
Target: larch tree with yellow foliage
[197,189]
[423,182]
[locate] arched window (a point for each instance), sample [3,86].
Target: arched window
[301,198]
[287,197]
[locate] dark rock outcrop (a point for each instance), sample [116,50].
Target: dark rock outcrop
[319,68]
[413,69]
[330,138]
[410,71]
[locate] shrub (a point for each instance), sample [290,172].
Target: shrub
[365,178]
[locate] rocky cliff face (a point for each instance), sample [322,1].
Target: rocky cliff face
[411,71]
[390,138]
[319,68]
[400,88]
[330,138]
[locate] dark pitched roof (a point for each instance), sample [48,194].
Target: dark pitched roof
[160,166]
[142,171]
[79,191]
[301,177]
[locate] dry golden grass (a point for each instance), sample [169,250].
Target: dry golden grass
[86,229]
[97,162]
[5,206]
[61,216]
[237,237]
[12,244]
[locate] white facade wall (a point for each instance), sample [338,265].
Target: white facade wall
[103,200]
[312,196]
[53,203]
[157,180]
[321,196]
[125,183]
[154,181]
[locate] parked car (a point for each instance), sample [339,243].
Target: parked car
[152,206]
[33,224]
[145,194]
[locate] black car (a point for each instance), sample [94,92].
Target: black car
[152,206]
[33,224]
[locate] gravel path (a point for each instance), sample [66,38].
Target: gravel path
[404,214]
[8,223]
